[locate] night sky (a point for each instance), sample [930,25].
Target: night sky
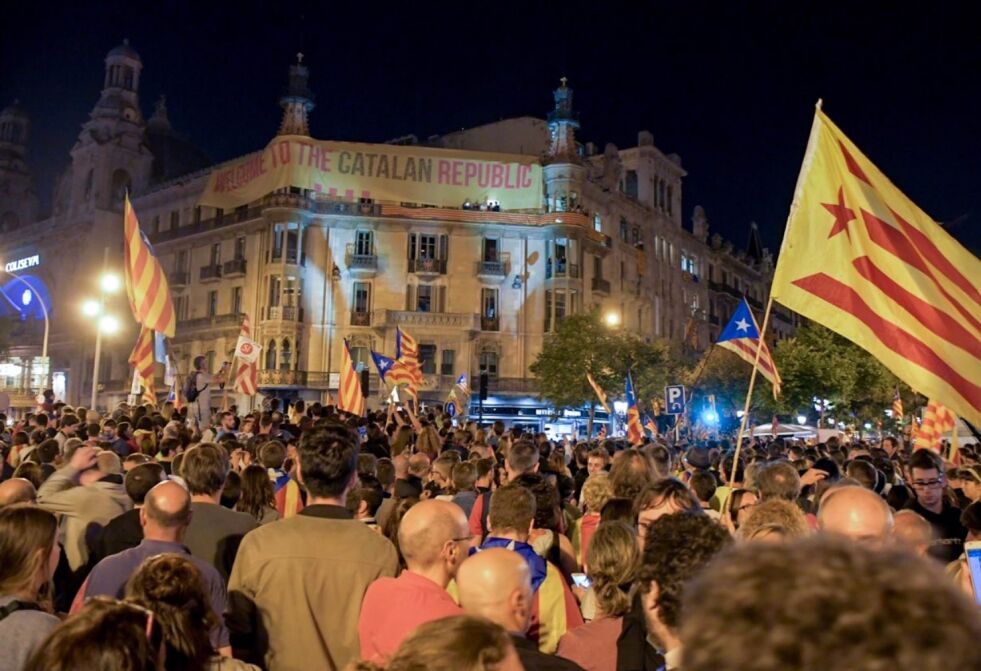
[729,88]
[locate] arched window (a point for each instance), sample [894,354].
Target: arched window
[285,355]
[488,363]
[271,355]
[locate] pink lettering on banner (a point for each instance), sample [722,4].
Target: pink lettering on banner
[332,191]
[498,176]
[457,173]
[471,172]
[366,194]
[349,194]
[524,176]
[442,172]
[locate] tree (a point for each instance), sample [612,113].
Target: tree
[6,328]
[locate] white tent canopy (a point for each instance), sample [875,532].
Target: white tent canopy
[793,430]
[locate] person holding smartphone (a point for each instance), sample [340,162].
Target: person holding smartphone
[198,391]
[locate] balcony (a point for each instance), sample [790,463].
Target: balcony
[360,265]
[427,266]
[233,268]
[466,321]
[561,268]
[178,278]
[360,318]
[490,323]
[224,322]
[601,286]
[282,378]
[494,271]
[210,273]
[290,257]
[286,313]
[714,320]
[724,289]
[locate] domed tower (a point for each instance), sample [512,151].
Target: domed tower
[296,101]
[18,200]
[111,155]
[564,172]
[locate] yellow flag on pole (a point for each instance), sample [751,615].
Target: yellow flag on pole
[861,258]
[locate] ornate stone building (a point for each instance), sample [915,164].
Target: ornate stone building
[477,287]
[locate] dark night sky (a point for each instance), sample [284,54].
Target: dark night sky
[731,89]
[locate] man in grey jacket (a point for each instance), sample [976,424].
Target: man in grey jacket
[86,494]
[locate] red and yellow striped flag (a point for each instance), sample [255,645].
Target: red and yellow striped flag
[861,258]
[897,407]
[142,359]
[600,394]
[146,282]
[635,434]
[349,398]
[407,356]
[937,420]
[247,373]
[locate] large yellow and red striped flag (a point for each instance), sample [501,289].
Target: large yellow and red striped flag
[146,282]
[349,397]
[142,359]
[861,258]
[937,420]
[407,355]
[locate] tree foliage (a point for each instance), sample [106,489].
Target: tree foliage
[6,328]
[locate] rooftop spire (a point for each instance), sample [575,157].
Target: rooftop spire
[297,100]
[562,124]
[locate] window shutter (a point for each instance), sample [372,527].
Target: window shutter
[412,245]
[409,298]
[441,300]
[444,243]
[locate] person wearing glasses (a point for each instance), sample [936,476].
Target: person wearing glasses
[926,471]
[434,537]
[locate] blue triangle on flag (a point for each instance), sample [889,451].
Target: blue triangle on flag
[382,363]
[742,324]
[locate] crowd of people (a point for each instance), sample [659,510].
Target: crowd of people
[301,537]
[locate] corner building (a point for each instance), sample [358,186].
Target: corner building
[478,288]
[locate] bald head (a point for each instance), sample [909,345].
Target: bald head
[166,512]
[912,531]
[855,512]
[425,530]
[496,584]
[16,490]
[419,465]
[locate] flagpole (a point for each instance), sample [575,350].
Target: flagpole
[749,394]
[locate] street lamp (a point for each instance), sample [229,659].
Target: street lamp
[107,324]
[612,319]
[801,419]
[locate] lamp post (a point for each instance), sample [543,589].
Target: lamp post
[106,323]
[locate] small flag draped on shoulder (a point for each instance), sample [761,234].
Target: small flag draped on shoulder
[600,394]
[146,281]
[635,434]
[742,336]
[247,352]
[861,258]
[143,363]
[349,397]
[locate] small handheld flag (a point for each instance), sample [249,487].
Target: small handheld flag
[600,394]
[635,434]
[742,336]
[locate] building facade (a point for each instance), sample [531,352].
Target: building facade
[478,288]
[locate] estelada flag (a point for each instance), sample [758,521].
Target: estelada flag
[861,258]
[635,434]
[349,398]
[143,363]
[146,281]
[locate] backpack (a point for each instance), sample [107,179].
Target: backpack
[191,391]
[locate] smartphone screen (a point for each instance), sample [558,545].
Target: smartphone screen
[581,580]
[974,565]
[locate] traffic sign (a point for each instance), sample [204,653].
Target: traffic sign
[674,399]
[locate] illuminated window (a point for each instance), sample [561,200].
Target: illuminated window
[427,359]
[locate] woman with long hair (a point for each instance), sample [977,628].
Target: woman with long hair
[172,588]
[28,558]
[611,564]
[457,643]
[107,635]
[257,497]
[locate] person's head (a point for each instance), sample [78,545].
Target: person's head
[597,460]
[496,584]
[386,473]
[328,460]
[971,520]
[105,634]
[631,472]
[256,491]
[108,462]
[484,472]
[911,531]
[618,510]
[28,550]
[69,425]
[204,469]
[855,512]
[464,476]
[865,473]
[272,454]
[612,561]
[826,603]
[47,451]
[166,512]
[419,465]
[141,479]
[678,547]
[433,539]
[890,445]
[926,471]
[28,470]
[522,458]
[441,471]
[17,490]
[200,362]
[227,420]
[778,480]
[367,465]
[172,587]
[970,478]
[741,505]
[774,520]
[456,643]
[596,491]
[512,512]
[664,497]
[133,460]
[703,484]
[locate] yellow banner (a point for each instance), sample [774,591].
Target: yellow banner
[382,172]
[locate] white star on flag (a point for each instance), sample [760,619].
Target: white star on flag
[742,325]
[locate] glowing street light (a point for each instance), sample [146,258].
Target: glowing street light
[91,308]
[110,283]
[108,324]
[612,319]
[801,419]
